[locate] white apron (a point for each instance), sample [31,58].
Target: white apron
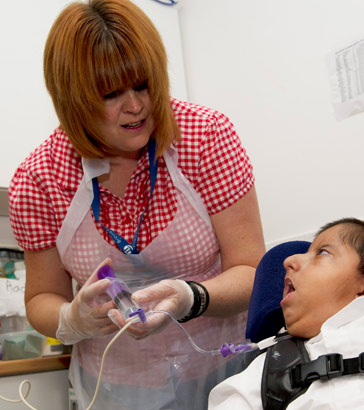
[162,371]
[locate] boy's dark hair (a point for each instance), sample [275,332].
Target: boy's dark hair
[352,234]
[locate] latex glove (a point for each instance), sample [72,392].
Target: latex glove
[86,316]
[172,295]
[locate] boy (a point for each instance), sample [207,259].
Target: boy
[323,306]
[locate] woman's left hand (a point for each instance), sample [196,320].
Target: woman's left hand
[170,295]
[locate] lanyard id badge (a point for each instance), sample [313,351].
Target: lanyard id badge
[123,244]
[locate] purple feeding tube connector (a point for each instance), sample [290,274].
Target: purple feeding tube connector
[120,294]
[229,348]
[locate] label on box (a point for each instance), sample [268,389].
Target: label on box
[12,297]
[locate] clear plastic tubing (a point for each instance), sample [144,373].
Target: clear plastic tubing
[225,350]
[118,292]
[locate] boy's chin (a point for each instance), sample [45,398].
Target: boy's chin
[302,331]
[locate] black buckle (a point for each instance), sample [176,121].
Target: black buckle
[324,367]
[361,363]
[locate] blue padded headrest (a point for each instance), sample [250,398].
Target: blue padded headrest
[265,317]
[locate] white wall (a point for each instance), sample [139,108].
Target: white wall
[263,63]
[26,113]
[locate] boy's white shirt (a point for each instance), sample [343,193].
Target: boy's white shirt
[342,333]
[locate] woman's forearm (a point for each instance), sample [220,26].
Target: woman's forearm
[43,312]
[230,291]
[48,286]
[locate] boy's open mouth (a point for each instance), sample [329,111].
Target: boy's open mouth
[288,287]
[288,290]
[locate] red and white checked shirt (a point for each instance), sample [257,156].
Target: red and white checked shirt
[211,157]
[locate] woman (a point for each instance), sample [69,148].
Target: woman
[160,189]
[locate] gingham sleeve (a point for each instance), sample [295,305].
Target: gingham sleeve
[31,213]
[225,170]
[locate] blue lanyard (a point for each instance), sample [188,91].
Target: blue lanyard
[124,245]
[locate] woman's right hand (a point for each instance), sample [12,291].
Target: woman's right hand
[86,316]
[172,296]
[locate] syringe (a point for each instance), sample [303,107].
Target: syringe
[120,294]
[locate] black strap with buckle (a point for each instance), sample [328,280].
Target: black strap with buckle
[326,367]
[288,371]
